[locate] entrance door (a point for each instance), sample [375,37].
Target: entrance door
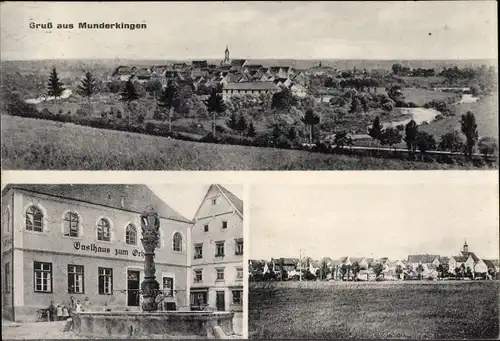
[220,303]
[133,288]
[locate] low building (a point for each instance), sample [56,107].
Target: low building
[248,88]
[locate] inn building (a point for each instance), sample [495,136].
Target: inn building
[83,241]
[217,242]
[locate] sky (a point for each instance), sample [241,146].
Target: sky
[186,199]
[377,220]
[276,30]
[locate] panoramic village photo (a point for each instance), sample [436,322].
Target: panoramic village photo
[374,260]
[85,261]
[249,86]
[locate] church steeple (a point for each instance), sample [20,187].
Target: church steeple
[226,56]
[466,247]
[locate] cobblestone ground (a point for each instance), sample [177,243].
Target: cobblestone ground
[54,330]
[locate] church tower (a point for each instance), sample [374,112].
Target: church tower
[226,56]
[466,247]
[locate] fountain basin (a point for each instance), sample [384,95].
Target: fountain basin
[166,323]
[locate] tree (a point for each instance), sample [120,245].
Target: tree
[452,142]
[356,106]
[375,131]
[440,270]
[129,94]
[54,86]
[342,139]
[88,88]
[469,272]
[425,141]
[283,100]
[399,271]
[154,88]
[355,268]
[487,146]
[378,268]
[215,105]
[232,121]
[395,93]
[462,270]
[343,271]
[391,136]
[167,102]
[420,269]
[241,125]
[457,272]
[310,119]
[291,133]
[251,130]
[446,269]
[469,129]
[411,133]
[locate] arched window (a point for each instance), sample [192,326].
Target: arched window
[34,219]
[131,235]
[71,224]
[177,242]
[103,230]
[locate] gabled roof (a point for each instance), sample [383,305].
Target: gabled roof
[136,197]
[467,254]
[251,86]
[236,202]
[238,62]
[123,70]
[233,199]
[422,258]
[489,263]
[357,259]
[460,259]
[199,63]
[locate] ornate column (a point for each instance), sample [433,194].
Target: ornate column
[150,224]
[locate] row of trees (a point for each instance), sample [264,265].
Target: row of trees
[423,141]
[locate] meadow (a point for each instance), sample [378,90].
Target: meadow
[33,144]
[375,310]
[485,111]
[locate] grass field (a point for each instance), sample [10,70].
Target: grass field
[485,111]
[422,96]
[39,144]
[376,310]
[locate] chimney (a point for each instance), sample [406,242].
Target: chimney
[123,201]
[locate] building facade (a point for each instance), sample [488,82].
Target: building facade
[63,241]
[248,88]
[217,252]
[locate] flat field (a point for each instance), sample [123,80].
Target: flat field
[33,144]
[485,111]
[375,310]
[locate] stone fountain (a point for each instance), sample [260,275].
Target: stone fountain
[150,322]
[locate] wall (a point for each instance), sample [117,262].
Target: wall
[213,215]
[6,251]
[51,246]
[34,300]
[52,239]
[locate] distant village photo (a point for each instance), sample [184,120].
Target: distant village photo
[463,266]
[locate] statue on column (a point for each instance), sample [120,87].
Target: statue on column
[150,225]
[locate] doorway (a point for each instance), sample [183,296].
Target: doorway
[133,288]
[220,302]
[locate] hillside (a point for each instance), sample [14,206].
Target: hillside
[45,145]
